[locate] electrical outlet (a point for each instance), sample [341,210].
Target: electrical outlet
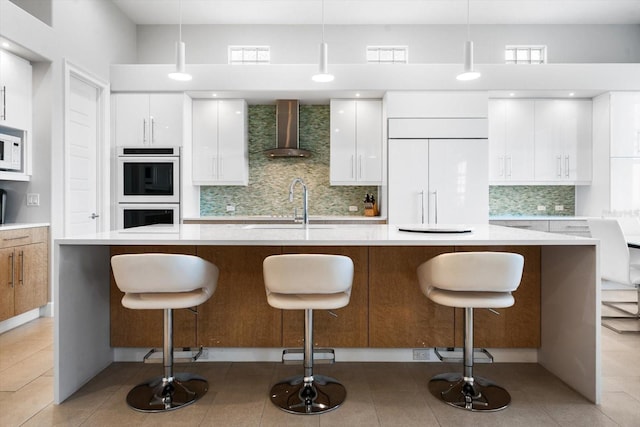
[231,208]
[559,207]
[542,208]
[421,354]
[353,209]
[33,199]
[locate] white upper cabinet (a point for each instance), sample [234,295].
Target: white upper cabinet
[220,142]
[511,141]
[625,124]
[15,95]
[563,141]
[149,119]
[356,142]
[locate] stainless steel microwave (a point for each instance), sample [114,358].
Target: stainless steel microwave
[10,153]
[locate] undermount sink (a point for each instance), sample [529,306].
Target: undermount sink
[286,226]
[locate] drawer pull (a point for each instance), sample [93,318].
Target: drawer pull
[583,227]
[16,238]
[13,272]
[21,281]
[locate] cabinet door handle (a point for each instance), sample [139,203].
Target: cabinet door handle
[21,280]
[12,266]
[144,130]
[559,166]
[4,103]
[638,141]
[435,207]
[353,167]
[360,166]
[214,168]
[221,167]
[422,207]
[501,165]
[566,166]
[153,130]
[509,166]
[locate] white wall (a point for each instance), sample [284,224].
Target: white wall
[298,44]
[91,34]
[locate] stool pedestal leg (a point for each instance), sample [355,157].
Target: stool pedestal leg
[466,391]
[308,393]
[170,391]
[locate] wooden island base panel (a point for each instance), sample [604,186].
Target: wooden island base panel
[387,308]
[555,314]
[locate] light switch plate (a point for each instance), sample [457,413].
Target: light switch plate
[353,209]
[559,207]
[542,208]
[231,208]
[33,199]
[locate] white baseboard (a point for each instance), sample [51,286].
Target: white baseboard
[19,320]
[47,310]
[214,354]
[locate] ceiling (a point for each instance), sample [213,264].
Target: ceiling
[398,12]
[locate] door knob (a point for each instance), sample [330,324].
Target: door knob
[94,216]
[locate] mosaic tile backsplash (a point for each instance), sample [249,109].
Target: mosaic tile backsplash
[269,179]
[525,199]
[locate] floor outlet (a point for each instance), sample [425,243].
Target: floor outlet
[421,354]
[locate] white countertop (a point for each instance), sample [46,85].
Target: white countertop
[17,226]
[319,235]
[536,217]
[285,219]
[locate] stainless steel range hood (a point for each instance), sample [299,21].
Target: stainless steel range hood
[287,144]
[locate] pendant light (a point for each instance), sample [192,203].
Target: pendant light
[468,73]
[180,73]
[323,75]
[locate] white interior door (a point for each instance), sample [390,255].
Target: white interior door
[82,215]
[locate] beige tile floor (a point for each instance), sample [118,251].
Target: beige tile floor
[379,394]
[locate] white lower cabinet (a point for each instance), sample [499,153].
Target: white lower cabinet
[220,142]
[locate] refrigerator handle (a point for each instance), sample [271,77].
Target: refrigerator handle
[435,207]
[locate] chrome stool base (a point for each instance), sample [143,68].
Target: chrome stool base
[479,395]
[295,396]
[160,395]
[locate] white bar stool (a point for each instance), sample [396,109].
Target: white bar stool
[167,282]
[471,280]
[308,282]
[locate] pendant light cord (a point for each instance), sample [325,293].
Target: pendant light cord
[468,26]
[322,21]
[180,20]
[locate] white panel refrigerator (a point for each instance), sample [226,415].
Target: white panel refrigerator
[438,181]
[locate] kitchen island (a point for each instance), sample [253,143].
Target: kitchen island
[385,311]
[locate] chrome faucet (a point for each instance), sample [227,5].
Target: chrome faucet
[305,199]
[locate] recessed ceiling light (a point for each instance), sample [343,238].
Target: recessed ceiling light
[214,94]
[512,94]
[5,44]
[571,94]
[357,95]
